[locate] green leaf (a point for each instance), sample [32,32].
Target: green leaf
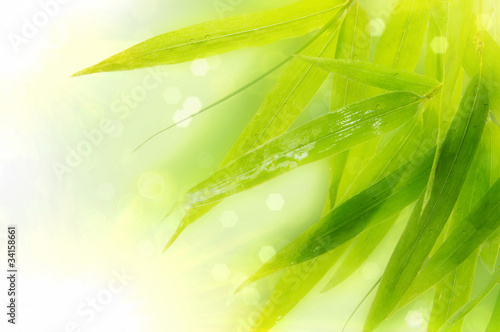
[401,43]
[223,35]
[466,309]
[410,141]
[454,290]
[482,49]
[463,241]
[494,324]
[316,140]
[420,235]
[380,202]
[491,135]
[452,293]
[376,75]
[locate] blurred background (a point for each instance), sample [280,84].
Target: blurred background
[89,210]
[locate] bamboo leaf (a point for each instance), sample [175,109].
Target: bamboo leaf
[466,309]
[419,237]
[463,241]
[454,290]
[489,250]
[494,323]
[316,140]
[380,76]
[401,43]
[410,141]
[223,35]
[482,44]
[380,202]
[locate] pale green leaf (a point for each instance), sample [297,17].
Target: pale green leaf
[466,309]
[454,290]
[491,137]
[410,141]
[419,237]
[463,241]
[401,43]
[387,78]
[494,323]
[223,35]
[316,140]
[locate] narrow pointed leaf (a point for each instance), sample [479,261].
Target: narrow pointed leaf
[466,309]
[419,237]
[380,76]
[494,323]
[454,290]
[483,50]
[380,202]
[401,43]
[223,35]
[489,251]
[316,140]
[463,241]
[408,142]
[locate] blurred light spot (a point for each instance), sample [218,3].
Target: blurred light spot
[172,95]
[145,249]
[275,202]
[371,271]
[229,218]
[250,296]
[220,272]
[151,185]
[414,319]
[205,159]
[377,27]
[182,118]
[238,279]
[439,45]
[105,191]
[487,20]
[214,62]
[266,253]
[192,105]
[117,128]
[221,85]
[199,67]
[55,36]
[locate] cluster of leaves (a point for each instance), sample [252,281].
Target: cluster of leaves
[426,142]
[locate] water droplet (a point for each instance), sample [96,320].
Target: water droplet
[207,36]
[379,106]
[192,40]
[396,75]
